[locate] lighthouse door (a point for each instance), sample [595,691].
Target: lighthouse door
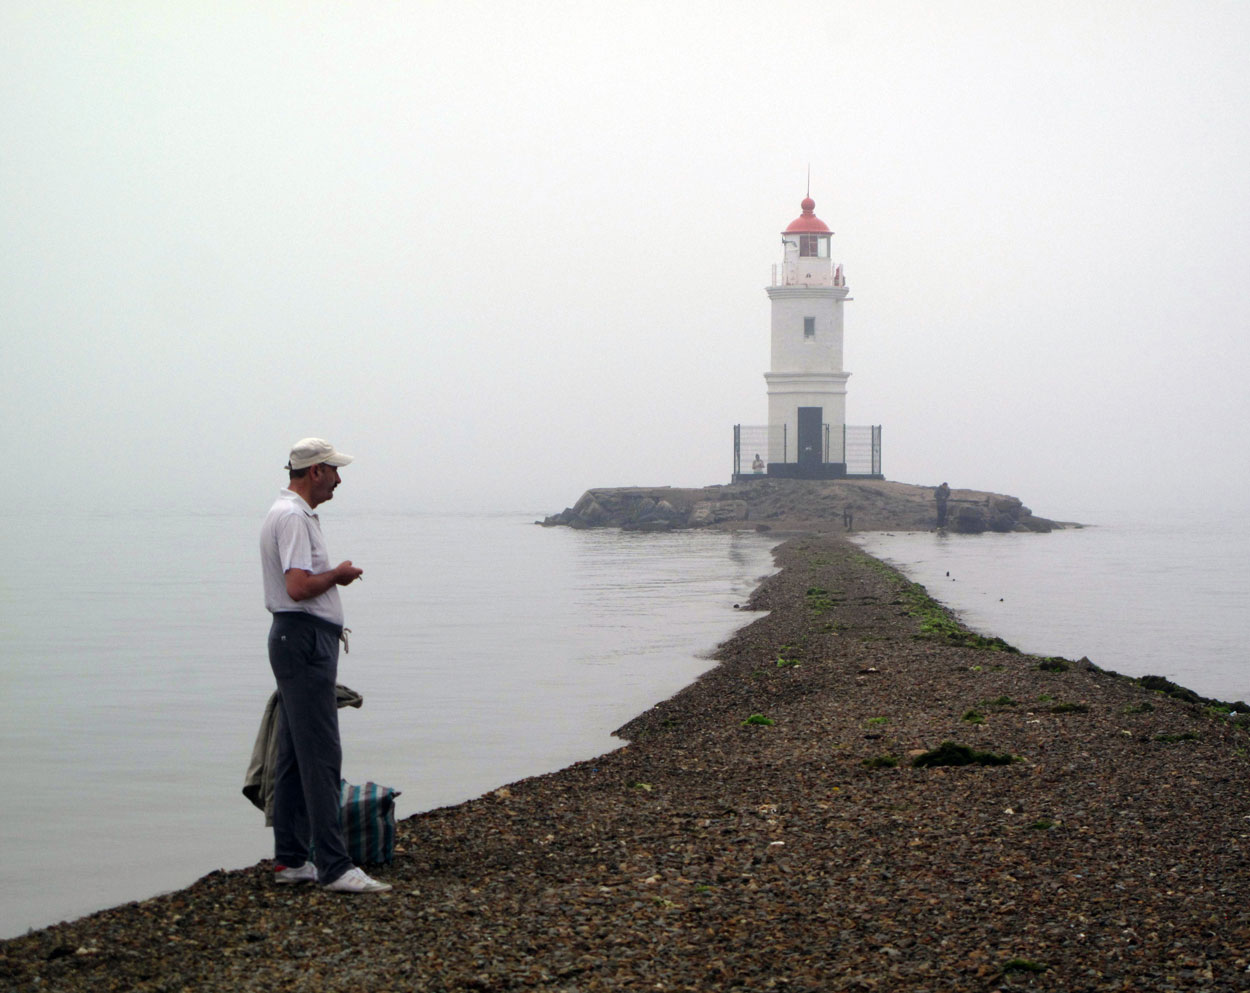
[811,423]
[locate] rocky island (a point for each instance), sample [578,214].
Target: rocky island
[799,505]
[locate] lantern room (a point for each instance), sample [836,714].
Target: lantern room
[805,252]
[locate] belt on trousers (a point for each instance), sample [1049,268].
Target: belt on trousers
[337,630]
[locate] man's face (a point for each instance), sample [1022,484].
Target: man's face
[325,479]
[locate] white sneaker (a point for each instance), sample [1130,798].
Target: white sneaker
[306,873]
[356,881]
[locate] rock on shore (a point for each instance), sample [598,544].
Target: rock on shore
[798,505]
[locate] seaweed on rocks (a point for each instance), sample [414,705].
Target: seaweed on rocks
[953,753]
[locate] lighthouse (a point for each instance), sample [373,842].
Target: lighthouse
[807,436]
[806,381]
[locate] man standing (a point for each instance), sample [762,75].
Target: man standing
[301,591]
[941,495]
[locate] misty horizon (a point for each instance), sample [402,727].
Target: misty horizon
[503,254]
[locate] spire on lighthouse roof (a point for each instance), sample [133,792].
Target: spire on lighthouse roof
[808,222]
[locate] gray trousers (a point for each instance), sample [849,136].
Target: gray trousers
[304,656]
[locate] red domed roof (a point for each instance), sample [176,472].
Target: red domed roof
[808,223]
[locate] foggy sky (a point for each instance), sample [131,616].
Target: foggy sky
[503,252]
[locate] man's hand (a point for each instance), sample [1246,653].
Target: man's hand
[347,573]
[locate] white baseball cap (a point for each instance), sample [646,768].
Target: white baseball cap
[314,451]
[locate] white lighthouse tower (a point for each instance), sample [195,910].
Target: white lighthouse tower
[806,381]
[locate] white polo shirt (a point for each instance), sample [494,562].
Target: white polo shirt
[291,538]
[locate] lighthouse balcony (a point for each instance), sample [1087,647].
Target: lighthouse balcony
[842,451]
[808,272]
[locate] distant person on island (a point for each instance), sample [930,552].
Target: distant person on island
[757,466]
[301,591]
[941,495]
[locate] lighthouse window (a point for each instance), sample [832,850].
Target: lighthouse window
[809,327]
[813,246]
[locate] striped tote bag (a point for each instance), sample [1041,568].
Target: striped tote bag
[367,815]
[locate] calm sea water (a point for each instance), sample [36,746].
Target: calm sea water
[1167,595]
[487,650]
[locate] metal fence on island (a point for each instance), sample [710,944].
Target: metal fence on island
[847,451]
